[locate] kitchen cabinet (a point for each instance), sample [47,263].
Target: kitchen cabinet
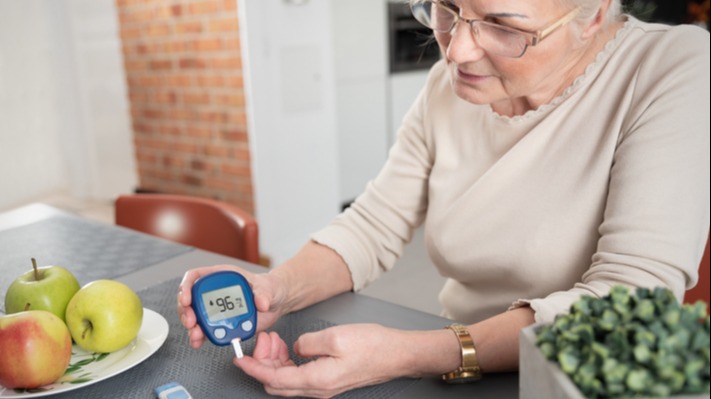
[361,72]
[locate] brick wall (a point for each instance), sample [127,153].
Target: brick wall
[184,72]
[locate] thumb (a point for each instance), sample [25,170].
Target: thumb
[262,301]
[320,343]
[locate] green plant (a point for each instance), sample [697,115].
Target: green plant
[624,344]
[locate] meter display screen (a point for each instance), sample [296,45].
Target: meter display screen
[225,303]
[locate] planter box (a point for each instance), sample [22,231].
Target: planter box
[540,378]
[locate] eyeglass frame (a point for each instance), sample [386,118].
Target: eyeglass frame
[533,37]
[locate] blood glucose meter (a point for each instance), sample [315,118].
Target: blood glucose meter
[224,307]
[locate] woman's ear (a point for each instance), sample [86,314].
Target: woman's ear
[598,21]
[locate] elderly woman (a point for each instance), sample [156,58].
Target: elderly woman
[558,148]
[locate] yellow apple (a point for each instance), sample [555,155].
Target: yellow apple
[36,349]
[104,316]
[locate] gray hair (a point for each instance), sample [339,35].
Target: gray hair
[589,9]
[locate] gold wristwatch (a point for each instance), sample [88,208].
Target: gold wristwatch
[469,370]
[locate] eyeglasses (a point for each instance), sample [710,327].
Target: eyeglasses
[441,16]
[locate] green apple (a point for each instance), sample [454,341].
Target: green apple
[43,288]
[36,349]
[104,316]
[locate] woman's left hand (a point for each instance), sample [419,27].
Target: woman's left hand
[344,357]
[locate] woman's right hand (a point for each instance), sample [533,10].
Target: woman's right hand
[268,298]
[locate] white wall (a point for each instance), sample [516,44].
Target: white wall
[103,100]
[64,119]
[31,61]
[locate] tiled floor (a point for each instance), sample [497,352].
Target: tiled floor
[413,283]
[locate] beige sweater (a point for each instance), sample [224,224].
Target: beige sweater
[608,184]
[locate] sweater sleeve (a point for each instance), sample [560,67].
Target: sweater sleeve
[370,235]
[656,219]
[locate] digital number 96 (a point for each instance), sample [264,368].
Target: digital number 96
[226,304]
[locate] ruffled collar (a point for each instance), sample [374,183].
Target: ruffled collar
[590,70]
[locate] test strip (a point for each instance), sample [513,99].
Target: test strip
[237,345]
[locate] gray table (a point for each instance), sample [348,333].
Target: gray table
[208,372]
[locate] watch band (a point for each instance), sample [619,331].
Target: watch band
[469,370]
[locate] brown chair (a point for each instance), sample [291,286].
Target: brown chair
[701,290]
[199,222]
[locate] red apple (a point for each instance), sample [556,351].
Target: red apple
[36,349]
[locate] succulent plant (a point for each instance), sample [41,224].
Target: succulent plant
[625,344]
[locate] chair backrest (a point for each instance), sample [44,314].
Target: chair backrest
[701,290]
[199,222]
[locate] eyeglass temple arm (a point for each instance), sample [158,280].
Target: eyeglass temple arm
[554,26]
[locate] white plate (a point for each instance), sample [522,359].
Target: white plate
[86,368]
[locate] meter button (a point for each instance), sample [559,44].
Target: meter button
[247,325]
[220,333]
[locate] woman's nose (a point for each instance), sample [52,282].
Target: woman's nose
[462,46]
